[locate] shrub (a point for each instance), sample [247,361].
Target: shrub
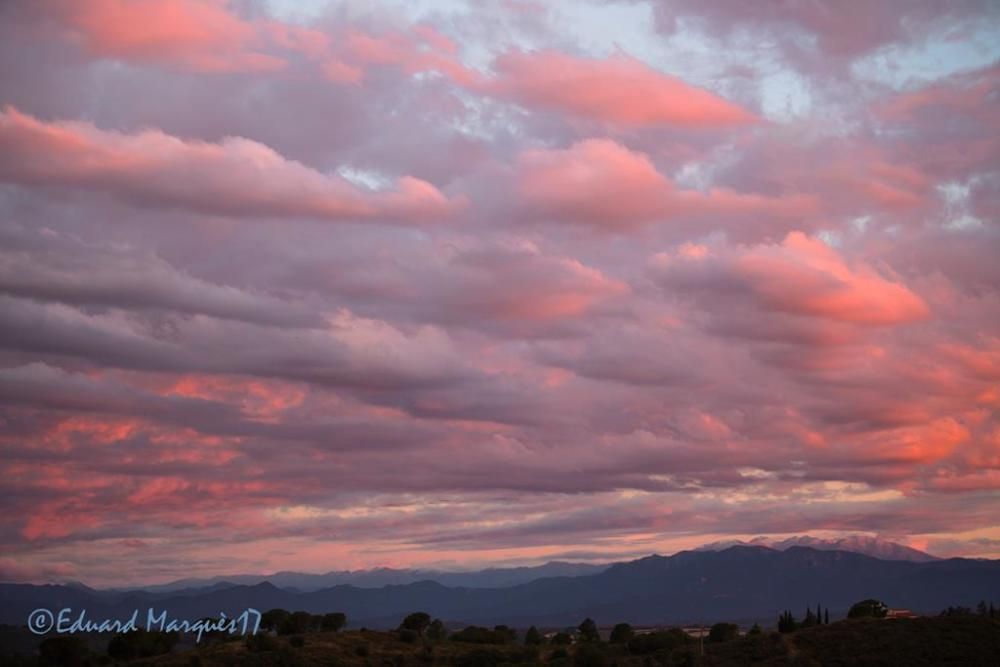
[69,651]
[297,623]
[621,633]
[261,643]
[273,618]
[474,634]
[333,622]
[436,630]
[657,641]
[481,658]
[417,621]
[141,644]
[787,622]
[588,631]
[723,632]
[590,655]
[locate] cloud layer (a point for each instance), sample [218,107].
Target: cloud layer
[349,288]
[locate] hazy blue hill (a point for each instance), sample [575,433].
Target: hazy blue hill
[378,577]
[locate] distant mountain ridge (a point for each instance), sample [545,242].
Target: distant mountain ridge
[859,544]
[741,583]
[493,577]
[498,577]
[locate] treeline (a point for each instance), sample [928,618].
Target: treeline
[788,623]
[284,622]
[982,609]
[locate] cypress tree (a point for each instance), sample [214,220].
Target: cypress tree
[786,622]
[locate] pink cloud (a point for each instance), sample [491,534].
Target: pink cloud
[419,49]
[206,36]
[801,276]
[525,287]
[618,90]
[197,34]
[235,177]
[805,276]
[603,184]
[596,182]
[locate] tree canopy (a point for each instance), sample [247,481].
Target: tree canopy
[870,608]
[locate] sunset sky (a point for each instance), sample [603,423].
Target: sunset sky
[291,285]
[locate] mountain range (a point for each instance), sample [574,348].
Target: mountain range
[498,577]
[739,583]
[376,578]
[860,544]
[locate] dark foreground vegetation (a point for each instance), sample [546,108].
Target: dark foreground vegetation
[949,639]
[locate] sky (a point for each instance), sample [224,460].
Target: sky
[336,285]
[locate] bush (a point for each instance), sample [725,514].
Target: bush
[261,643]
[588,631]
[63,651]
[658,641]
[408,636]
[723,632]
[590,655]
[273,618]
[481,658]
[436,630]
[562,639]
[333,622]
[621,633]
[474,634]
[297,623]
[417,621]
[141,644]
[957,611]
[505,634]
[533,637]
[298,641]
